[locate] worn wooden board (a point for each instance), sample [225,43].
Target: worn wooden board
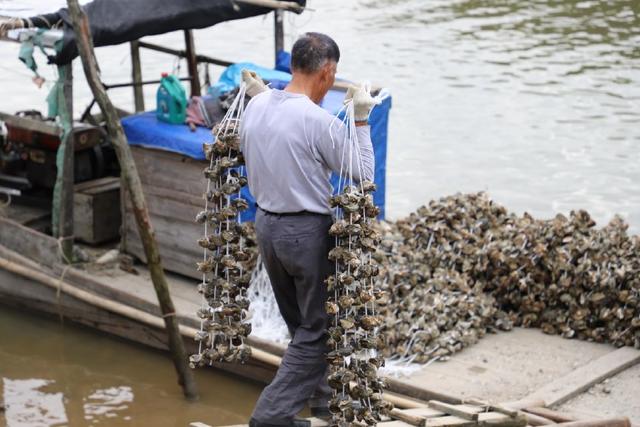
[425,412]
[461,411]
[29,216]
[173,186]
[96,213]
[581,379]
[29,242]
[169,170]
[170,204]
[172,260]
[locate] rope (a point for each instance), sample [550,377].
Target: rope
[61,252]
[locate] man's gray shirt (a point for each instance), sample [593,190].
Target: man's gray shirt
[291,145]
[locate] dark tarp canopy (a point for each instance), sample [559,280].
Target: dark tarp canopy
[118,21]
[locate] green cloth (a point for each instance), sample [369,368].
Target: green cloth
[26,55]
[57,108]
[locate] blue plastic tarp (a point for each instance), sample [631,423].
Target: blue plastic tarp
[145,130]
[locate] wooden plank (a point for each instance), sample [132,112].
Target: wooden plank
[172,260]
[420,393]
[495,408]
[30,124]
[484,419]
[449,420]
[87,185]
[584,377]
[425,412]
[26,215]
[556,416]
[29,242]
[457,410]
[183,209]
[414,420]
[97,213]
[497,419]
[83,217]
[170,170]
[178,196]
[395,423]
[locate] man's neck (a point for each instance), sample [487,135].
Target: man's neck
[304,85]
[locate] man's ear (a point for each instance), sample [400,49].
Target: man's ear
[327,72]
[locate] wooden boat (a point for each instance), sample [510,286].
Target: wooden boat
[119,299]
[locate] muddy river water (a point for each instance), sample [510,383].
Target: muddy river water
[57,374]
[536,102]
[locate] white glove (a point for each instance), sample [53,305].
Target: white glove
[254,83]
[363,102]
[7,24]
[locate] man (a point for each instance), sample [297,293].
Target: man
[290,146]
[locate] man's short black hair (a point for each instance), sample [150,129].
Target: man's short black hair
[312,50]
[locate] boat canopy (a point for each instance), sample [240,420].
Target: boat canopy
[119,21]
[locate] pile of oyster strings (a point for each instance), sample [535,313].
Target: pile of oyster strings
[229,254]
[352,305]
[463,265]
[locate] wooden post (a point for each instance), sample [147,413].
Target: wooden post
[192,63]
[136,74]
[134,187]
[65,216]
[278,16]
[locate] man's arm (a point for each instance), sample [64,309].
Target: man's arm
[343,154]
[355,156]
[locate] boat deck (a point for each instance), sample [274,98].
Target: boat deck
[508,366]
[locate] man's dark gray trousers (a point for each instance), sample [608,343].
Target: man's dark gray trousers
[294,249]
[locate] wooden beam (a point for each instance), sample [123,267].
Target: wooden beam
[192,63]
[28,242]
[278,33]
[408,417]
[584,377]
[30,124]
[420,393]
[136,74]
[454,410]
[495,408]
[183,54]
[65,215]
[558,417]
[134,187]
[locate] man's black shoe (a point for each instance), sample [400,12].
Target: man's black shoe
[300,422]
[321,412]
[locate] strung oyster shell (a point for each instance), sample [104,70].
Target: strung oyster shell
[230,254]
